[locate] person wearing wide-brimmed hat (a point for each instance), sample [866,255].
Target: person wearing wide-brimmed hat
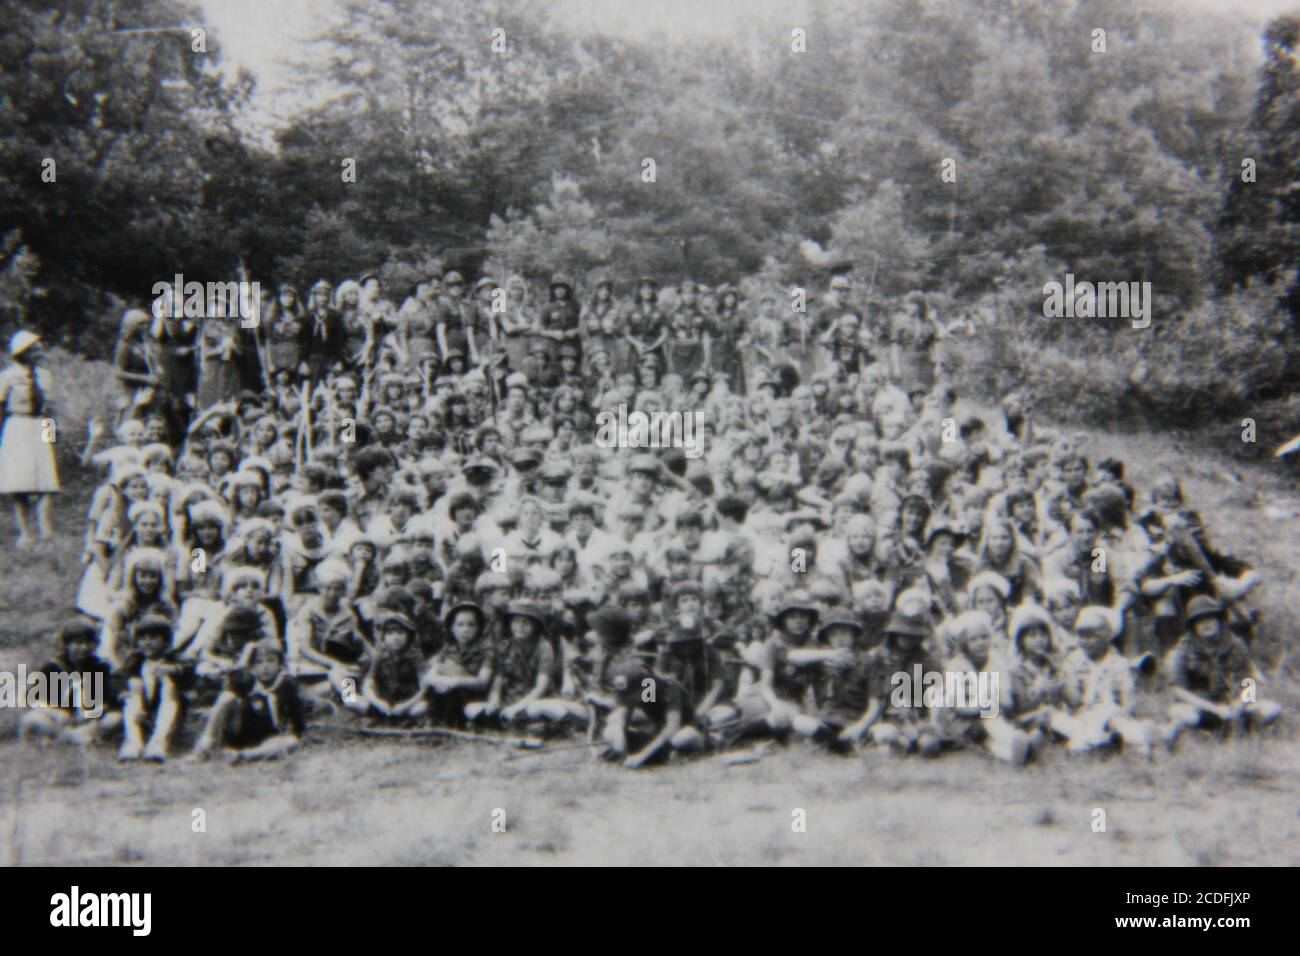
[529,673]
[27,468]
[558,321]
[844,692]
[460,674]
[393,686]
[1212,677]
[789,667]
[893,718]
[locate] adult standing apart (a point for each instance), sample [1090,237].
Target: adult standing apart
[912,339]
[27,467]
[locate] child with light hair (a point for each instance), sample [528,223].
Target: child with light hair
[1100,688]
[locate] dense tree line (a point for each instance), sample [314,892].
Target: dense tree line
[1122,164]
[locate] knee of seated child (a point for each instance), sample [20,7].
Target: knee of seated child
[688,738]
[885,733]
[722,713]
[805,725]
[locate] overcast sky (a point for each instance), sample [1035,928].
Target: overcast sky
[266,36]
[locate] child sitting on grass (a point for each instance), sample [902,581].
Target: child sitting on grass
[1100,688]
[95,710]
[155,696]
[529,676]
[461,673]
[1209,671]
[259,715]
[393,687]
[630,689]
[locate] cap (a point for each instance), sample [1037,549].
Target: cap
[907,624]
[398,618]
[1203,606]
[526,610]
[1098,618]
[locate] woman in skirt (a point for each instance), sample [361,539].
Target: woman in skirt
[27,469]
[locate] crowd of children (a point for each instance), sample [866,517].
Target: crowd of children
[402,516]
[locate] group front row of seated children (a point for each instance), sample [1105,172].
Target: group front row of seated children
[645,693]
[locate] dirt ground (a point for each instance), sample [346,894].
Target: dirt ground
[344,800]
[354,802]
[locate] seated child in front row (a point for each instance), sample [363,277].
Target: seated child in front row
[393,685]
[630,689]
[461,673]
[529,673]
[1212,675]
[155,696]
[259,715]
[96,709]
[1100,688]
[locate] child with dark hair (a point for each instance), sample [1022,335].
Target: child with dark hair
[94,710]
[393,686]
[259,715]
[155,696]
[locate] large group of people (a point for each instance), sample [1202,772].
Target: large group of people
[355,512]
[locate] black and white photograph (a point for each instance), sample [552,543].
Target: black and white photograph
[651,433]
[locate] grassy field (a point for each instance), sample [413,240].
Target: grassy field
[343,800]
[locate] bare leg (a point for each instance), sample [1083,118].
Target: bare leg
[24,524]
[270,749]
[43,527]
[168,719]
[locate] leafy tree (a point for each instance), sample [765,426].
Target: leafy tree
[115,94]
